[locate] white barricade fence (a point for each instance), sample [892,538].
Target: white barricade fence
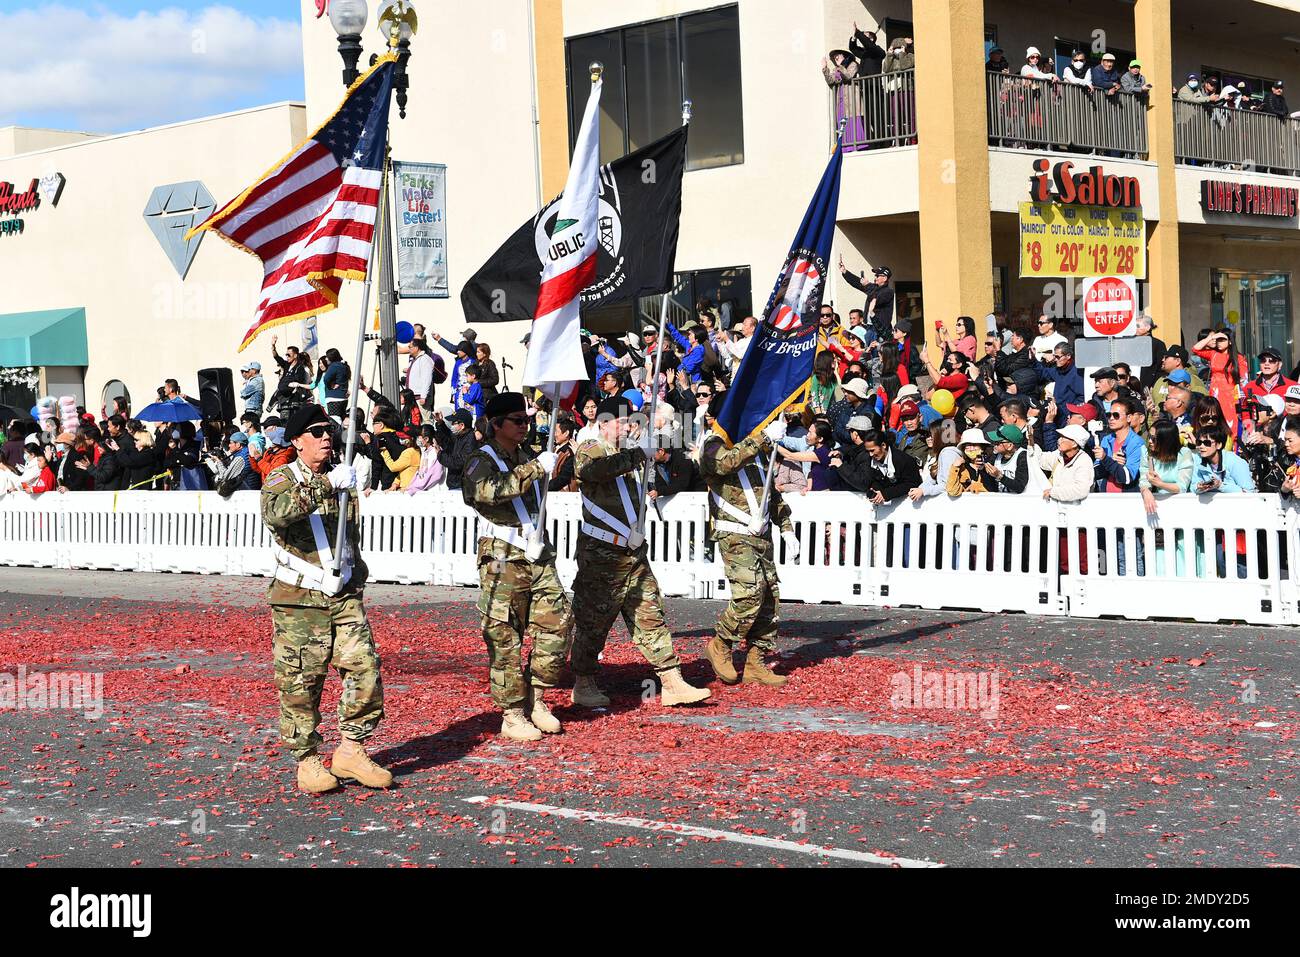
[1226,558]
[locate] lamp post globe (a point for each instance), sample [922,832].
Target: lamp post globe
[348,18]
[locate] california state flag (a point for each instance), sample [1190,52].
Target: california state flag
[555,362]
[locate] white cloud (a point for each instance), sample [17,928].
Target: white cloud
[104,72]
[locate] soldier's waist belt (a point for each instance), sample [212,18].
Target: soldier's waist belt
[737,529]
[511,536]
[600,534]
[298,573]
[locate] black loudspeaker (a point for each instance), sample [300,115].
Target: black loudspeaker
[217,394]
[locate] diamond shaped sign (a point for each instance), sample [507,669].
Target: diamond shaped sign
[172,211]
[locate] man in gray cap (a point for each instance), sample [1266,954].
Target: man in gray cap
[254,389]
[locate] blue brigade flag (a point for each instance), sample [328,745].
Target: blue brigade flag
[778,364]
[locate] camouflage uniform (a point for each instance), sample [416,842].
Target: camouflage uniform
[612,577]
[317,623]
[520,592]
[735,478]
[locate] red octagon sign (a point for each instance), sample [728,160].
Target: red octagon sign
[1109,306]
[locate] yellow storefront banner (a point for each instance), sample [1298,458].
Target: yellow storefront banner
[1059,241]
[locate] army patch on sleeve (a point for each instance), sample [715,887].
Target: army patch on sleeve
[275,480]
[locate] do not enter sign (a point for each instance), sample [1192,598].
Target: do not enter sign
[1110,306]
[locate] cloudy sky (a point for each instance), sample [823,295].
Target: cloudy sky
[108,66]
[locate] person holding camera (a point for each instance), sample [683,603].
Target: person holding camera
[973,473]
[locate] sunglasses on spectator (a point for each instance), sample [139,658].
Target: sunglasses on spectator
[1205,441]
[703,395]
[1121,378]
[1115,415]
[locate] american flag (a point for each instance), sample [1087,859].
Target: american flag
[311,219]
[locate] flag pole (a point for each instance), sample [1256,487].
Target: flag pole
[654,384]
[340,536]
[644,486]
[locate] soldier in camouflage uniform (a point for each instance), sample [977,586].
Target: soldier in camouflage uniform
[318,618]
[736,478]
[520,588]
[614,574]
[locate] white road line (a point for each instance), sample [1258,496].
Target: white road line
[692,830]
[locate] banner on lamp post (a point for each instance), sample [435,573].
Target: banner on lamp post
[420,217]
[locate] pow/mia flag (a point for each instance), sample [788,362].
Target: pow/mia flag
[639,218]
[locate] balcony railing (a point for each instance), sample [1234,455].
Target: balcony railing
[877,111]
[1026,113]
[1212,135]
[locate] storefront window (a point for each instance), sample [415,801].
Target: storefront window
[1256,308]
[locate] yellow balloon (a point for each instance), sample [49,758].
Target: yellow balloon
[1234,317]
[942,401]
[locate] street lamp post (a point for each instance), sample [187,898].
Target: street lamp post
[397,23]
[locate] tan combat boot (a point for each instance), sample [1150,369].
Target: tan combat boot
[587,694]
[676,691]
[516,727]
[313,778]
[539,714]
[351,762]
[719,655]
[758,673]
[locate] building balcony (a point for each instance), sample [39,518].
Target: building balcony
[1033,114]
[1212,135]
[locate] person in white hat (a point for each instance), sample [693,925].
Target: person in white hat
[1033,66]
[1069,467]
[856,393]
[971,474]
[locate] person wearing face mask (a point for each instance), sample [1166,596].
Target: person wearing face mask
[431,473]
[1191,91]
[1077,72]
[38,465]
[278,450]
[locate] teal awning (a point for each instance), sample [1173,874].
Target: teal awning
[51,337]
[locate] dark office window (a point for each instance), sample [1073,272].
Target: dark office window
[649,69]
[606,48]
[711,47]
[654,82]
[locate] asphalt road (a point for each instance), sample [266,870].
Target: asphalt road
[1082,744]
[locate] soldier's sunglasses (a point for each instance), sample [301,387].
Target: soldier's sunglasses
[519,420]
[320,431]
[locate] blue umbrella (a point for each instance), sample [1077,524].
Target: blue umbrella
[175,411]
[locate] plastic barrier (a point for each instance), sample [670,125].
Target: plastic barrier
[1225,559]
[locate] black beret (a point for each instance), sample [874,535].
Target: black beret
[503,404]
[617,407]
[303,419]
